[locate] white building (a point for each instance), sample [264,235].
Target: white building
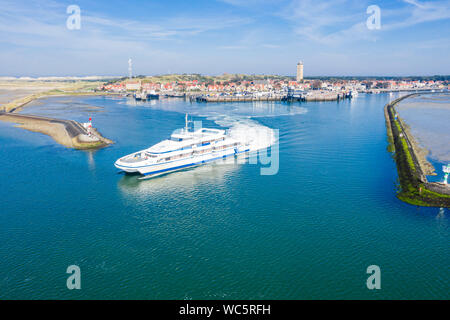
[133,86]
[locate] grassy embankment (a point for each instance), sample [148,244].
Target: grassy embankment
[412,189]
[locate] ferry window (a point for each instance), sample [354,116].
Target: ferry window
[151,155]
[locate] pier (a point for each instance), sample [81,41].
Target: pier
[234,98]
[289,96]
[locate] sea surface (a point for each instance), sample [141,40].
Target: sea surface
[308,230]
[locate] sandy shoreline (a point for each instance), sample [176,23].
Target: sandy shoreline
[424,130]
[427,118]
[17,105]
[420,152]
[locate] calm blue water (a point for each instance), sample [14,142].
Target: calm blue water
[217,231]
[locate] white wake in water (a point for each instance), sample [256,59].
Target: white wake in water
[248,131]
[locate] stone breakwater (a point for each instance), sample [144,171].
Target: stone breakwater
[68,133]
[411,165]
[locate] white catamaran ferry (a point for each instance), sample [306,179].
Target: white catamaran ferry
[184,149]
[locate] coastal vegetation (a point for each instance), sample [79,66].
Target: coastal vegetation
[414,187]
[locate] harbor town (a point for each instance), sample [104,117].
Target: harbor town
[239,87]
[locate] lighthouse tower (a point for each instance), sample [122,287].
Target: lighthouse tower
[300,72]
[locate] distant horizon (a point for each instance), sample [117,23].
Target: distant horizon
[217,75]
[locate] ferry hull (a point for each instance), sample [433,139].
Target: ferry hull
[185,163]
[126,169]
[159,169]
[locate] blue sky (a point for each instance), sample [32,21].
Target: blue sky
[234,36]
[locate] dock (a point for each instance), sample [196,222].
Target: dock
[235,98]
[289,96]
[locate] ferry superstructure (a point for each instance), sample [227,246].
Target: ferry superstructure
[184,149]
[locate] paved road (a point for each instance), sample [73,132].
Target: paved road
[73,128]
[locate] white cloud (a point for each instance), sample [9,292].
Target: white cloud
[420,12]
[342,21]
[327,22]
